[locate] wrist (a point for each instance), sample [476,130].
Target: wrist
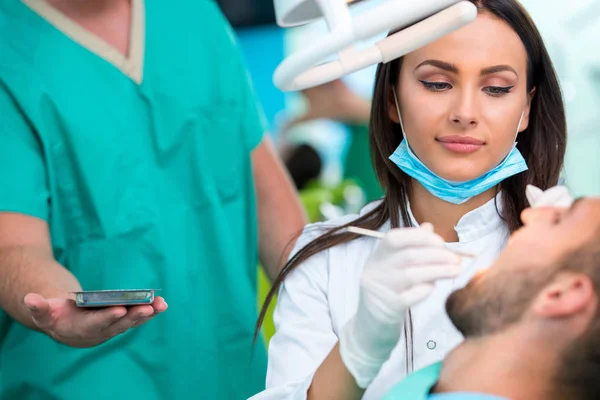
[363,360]
[366,343]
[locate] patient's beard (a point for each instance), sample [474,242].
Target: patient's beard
[495,301]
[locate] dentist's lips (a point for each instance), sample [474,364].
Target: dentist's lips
[461,144]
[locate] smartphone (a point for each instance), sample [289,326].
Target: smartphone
[107,298]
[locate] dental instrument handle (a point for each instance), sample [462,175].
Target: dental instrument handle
[381,235]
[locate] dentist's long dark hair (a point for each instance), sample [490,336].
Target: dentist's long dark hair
[542,144]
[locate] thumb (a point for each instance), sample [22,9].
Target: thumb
[533,194]
[557,196]
[40,310]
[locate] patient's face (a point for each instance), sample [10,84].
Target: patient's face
[501,295]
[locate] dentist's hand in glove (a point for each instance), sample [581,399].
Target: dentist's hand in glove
[400,273]
[557,196]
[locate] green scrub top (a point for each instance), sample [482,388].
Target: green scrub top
[416,386]
[142,168]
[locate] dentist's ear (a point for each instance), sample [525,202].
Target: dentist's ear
[530,97]
[527,111]
[392,110]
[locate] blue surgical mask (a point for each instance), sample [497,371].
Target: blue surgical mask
[455,192]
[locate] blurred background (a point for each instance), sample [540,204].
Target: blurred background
[329,159]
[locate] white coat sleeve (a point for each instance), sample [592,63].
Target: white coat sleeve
[304,331]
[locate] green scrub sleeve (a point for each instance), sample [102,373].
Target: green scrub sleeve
[255,122]
[253,117]
[23,183]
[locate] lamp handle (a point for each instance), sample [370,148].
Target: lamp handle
[301,69]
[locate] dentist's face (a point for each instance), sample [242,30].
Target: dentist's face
[461,98]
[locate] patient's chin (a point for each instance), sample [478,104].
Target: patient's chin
[461,315]
[488,306]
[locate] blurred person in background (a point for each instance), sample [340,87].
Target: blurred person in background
[304,164]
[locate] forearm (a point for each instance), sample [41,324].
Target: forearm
[332,380]
[279,227]
[280,213]
[26,270]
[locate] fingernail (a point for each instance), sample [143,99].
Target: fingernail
[32,308]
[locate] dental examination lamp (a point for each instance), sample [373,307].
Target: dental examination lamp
[424,21]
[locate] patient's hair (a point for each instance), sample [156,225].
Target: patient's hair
[304,165]
[578,376]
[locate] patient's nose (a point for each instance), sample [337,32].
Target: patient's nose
[543,215]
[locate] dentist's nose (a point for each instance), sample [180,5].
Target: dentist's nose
[464,115]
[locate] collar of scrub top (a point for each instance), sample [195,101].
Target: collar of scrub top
[416,23]
[481,221]
[473,225]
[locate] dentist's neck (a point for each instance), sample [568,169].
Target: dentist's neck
[443,215]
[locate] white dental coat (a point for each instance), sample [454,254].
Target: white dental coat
[321,295]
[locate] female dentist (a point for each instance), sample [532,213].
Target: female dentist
[481,106]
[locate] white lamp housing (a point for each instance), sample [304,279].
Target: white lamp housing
[424,21]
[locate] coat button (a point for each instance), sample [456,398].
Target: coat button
[431,345]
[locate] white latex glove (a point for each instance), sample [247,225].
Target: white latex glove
[557,196]
[400,273]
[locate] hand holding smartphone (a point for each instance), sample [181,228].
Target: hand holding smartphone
[97,318]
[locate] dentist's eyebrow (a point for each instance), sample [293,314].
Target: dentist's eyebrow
[454,69]
[498,68]
[439,64]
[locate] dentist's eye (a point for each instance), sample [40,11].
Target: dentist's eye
[436,86]
[498,91]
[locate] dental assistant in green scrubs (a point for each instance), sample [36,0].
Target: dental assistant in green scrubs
[132,155]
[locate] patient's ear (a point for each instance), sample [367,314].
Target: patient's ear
[567,295]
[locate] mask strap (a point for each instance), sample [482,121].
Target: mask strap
[519,125]
[398,110]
